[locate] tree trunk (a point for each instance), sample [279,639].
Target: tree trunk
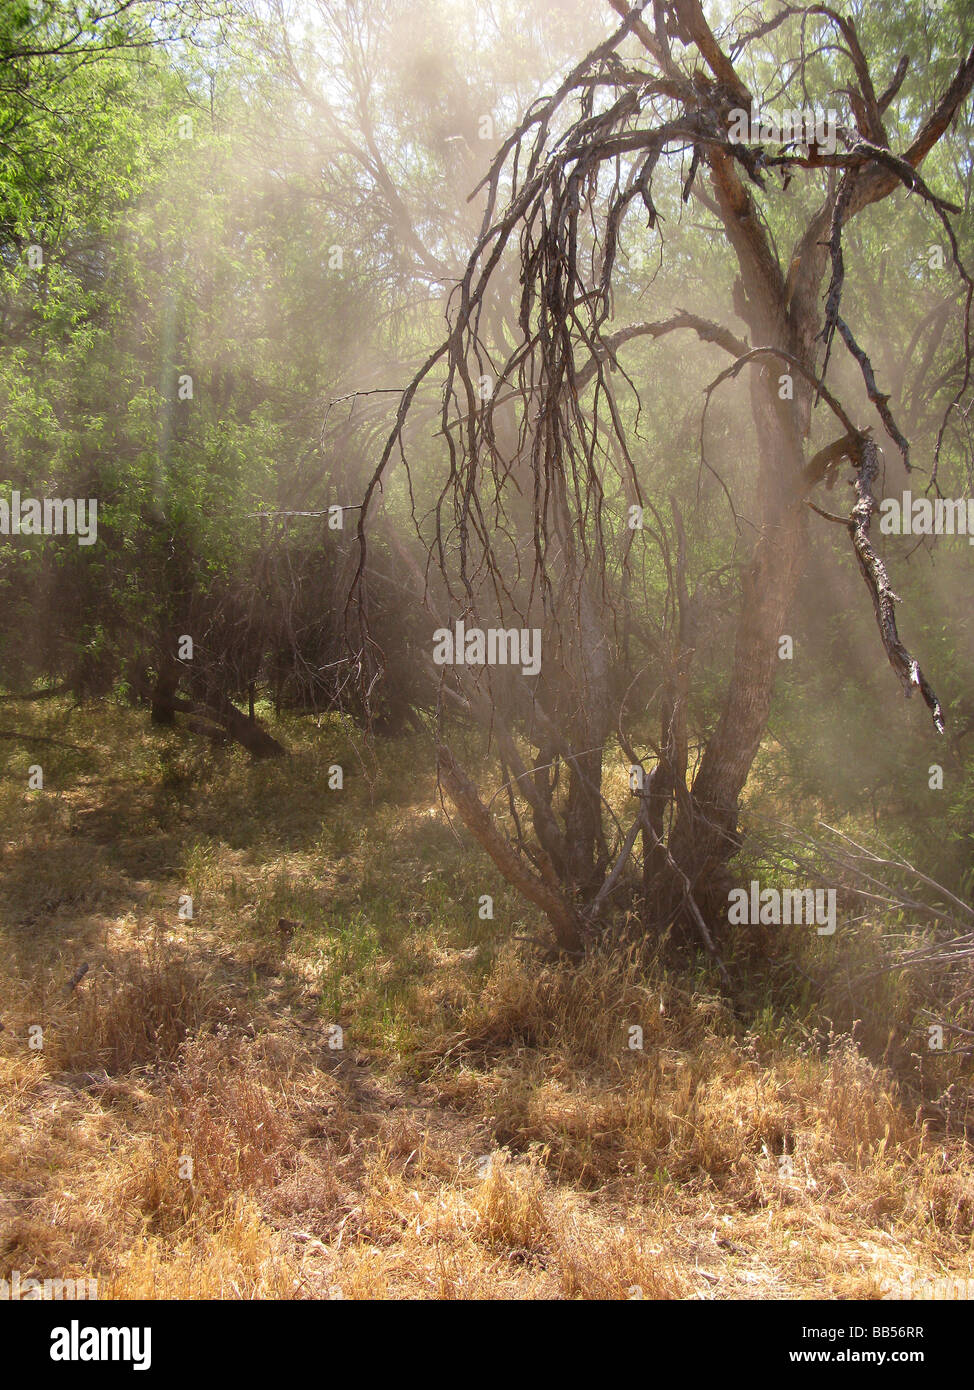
[705,834]
[163,710]
[542,891]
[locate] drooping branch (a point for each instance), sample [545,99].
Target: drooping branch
[874,572]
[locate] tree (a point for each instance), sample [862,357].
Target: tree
[529,529]
[171,241]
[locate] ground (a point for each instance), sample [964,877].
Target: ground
[487,1128]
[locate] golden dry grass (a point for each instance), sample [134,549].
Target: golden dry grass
[188,1129]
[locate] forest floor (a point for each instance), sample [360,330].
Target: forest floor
[186,1126]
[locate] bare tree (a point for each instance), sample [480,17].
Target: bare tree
[536,420]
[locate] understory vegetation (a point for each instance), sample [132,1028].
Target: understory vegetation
[486,1130]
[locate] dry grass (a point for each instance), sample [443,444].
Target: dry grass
[487,1131]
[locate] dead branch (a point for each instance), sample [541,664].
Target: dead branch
[874,572]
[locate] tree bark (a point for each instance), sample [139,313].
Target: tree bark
[478,820]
